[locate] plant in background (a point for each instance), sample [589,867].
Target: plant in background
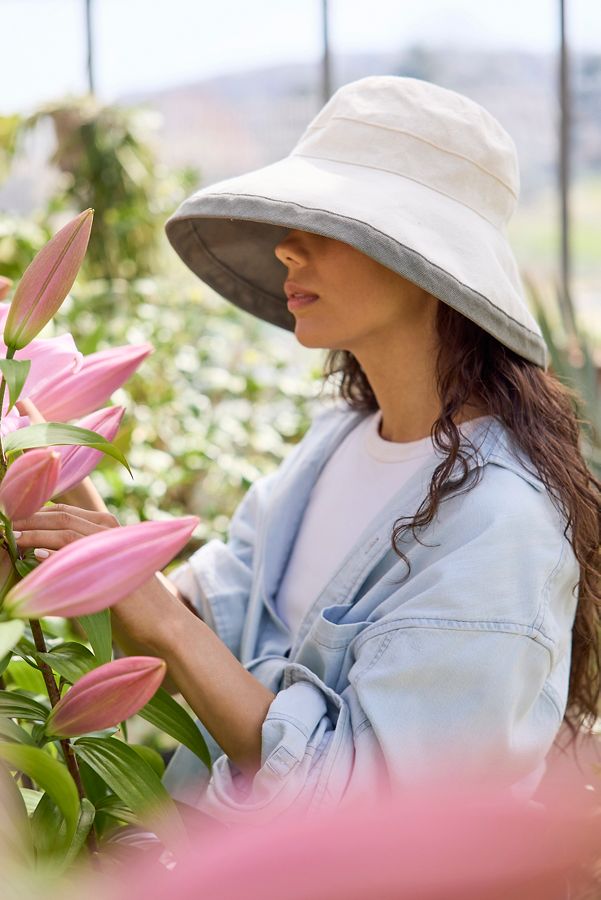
[224,397]
[573,361]
[74,793]
[108,162]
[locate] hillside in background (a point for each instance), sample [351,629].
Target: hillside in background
[228,124]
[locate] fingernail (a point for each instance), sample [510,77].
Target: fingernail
[17,534]
[41,554]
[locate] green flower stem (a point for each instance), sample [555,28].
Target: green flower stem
[9,538]
[53,694]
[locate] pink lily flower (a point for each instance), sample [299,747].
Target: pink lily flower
[5,286]
[69,396]
[12,422]
[77,461]
[51,358]
[47,281]
[95,572]
[106,696]
[29,482]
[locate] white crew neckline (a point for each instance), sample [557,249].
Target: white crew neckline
[399,451]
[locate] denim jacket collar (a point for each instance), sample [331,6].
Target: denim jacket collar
[288,503]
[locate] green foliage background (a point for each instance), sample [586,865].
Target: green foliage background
[223,397]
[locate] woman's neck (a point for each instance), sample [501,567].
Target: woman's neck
[407,394]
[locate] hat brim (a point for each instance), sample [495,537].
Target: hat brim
[227,232]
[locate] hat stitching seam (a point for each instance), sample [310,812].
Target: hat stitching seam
[419,138]
[351,219]
[408,177]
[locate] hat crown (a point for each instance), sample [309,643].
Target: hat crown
[422,131]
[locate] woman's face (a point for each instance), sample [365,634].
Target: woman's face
[361,303]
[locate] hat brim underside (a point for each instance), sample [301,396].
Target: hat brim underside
[228,241]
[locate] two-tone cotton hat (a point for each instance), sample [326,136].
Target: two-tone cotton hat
[420,178]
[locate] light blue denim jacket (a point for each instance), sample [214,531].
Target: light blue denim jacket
[463,663]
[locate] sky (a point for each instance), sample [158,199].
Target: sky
[147,44]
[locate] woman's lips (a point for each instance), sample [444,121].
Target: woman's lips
[300,300]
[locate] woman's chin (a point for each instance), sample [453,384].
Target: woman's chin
[310,335]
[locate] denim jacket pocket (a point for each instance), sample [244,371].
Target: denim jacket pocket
[326,644]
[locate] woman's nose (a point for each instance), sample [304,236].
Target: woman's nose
[291,250]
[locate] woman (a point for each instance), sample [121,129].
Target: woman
[414,592]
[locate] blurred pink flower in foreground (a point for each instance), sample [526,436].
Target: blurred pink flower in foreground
[29,482]
[454,841]
[72,395]
[106,696]
[95,572]
[47,281]
[78,461]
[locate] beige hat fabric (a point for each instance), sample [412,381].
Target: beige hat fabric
[416,176]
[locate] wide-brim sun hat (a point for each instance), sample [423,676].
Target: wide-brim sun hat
[420,178]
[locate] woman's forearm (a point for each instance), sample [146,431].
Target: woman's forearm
[230,702]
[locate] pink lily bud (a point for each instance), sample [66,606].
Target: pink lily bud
[71,395]
[78,461]
[107,695]
[5,286]
[96,571]
[29,481]
[47,281]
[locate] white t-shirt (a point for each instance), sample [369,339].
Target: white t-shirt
[353,486]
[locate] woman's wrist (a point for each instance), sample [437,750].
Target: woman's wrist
[151,616]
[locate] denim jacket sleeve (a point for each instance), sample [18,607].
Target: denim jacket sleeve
[425,689]
[217,578]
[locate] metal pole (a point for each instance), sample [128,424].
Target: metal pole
[90,46]
[564,155]
[326,70]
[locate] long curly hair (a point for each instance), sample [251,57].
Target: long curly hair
[542,414]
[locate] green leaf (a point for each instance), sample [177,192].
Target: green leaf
[94,787]
[49,830]
[84,824]
[16,705]
[5,662]
[113,806]
[13,733]
[100,634]
[165,713]
[10,634]
[152,757]
[51,434]
[70,660]
[31,798]
[48,774]
[15,373]
[25,677]
[25,566]
[15,830]
[135,782]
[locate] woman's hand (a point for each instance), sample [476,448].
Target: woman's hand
[55,526]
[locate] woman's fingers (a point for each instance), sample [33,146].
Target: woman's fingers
[61,515]
[51,540]
[53,527]
[42,553]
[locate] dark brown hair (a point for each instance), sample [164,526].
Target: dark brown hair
[541,414]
